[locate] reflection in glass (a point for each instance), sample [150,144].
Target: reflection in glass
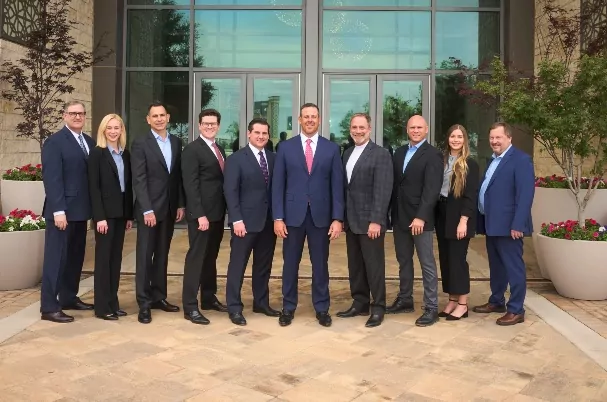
[277,3]
[376,40]
[273,101]
[158,38]
[247,38]
[223,94]
[346,97]
[158,2]
[468,3]
[401,100]
[394,3]
[171,88]
[470,37]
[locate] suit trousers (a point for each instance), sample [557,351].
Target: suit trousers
[200,270]
[367,270]
[506,266]
[452,253]
[404,243]
[108,261]
[262,244]
[152,260]
[62,266]
[318,247]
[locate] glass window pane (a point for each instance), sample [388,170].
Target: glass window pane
[277,3]
[401,100]
[143,88]
[346,97]
[273,101]
[376,40]
[468,3]
[158,2]
[248,38]
[393,3]
[158,38]
[472,38]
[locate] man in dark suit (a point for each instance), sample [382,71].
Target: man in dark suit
[203,165]
[67,208]
[247,188]
[159,200]
[369,176]
[307,202]
[418,177]
[504,203]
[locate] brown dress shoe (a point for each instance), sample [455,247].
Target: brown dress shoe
[510,319]
[489,308]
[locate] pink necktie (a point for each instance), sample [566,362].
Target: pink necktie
[309,156]
[219,156]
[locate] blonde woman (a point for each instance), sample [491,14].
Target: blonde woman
[110,186]
[456,220]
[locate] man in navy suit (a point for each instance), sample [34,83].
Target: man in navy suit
[504,203]
[307,202]
[247,190]
[67,208]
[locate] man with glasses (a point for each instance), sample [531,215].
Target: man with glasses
[202,166]
[67,208]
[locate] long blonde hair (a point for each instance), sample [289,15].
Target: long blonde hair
[460,166]
[101,140]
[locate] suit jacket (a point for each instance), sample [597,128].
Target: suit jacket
[203,182]
[104,186]
[65,176]
[370,188]
[416,191]
[465,205]
[293,188]
[248,197]
[155,188]
[509,196]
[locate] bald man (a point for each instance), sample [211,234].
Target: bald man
[418,177]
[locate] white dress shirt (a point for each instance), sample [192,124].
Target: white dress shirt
[356,153]
[210,144]
[256,153]
[313,144]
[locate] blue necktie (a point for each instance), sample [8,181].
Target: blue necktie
[264,166]
[81,140]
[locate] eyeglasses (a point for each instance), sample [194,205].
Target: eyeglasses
[76,114]
[203,124]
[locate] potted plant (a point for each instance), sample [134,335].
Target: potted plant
[22,187]
[22,249]
[575,254]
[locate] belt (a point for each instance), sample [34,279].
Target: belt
[442,199]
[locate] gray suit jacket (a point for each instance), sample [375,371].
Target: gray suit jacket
[370,189]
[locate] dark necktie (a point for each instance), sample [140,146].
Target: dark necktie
[264,166]
[218,155]
[81,140]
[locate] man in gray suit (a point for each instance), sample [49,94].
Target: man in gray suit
[369,176]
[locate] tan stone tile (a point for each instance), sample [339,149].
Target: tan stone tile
[315,390]
[28,393]
[438,386]
[205,361]
[194,379]
[163,390]
[118,354]
[230,393]
[334,350]
[145,370]
[563,386]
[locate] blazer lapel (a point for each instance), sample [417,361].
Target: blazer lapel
[174,150]
[153,143]
[499,167]
[417,155]
[72,140]
[365,154]
[108,155]
[316,158]
[270,160]
[254,164]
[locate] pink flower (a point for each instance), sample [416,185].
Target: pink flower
[595,234]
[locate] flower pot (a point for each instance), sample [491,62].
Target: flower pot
[27,195]
[540,258]
[22,256]
[558,204]
[577,267]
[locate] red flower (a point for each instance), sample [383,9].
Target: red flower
[567,236]
[595,234]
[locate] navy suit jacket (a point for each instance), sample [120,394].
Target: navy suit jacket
[293,188]
[509,196]
[247,195]
[65,176]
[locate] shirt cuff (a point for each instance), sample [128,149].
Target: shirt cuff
[149,212]
[58,213]
[279,219]
[234,223]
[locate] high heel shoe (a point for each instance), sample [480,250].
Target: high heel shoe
[444,314]
[451,317]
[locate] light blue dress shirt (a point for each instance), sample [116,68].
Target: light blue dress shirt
[165,148]
[490,170]
[410,152]
[117,156]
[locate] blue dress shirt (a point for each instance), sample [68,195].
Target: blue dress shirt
[165,148]
[117,156]
[410,152]
[490,170]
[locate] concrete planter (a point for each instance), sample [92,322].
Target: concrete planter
[577,268]
[22,256]
[27,195]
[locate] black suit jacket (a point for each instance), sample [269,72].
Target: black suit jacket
[466,205]
[155,188]
[203,182]
[416,190]
[104,186]
[248,197]
[370,188]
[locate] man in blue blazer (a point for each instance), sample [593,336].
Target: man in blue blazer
[504,204]
[307,202]
[67,208]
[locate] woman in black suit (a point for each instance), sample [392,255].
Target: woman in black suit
[110,186]
[456,220]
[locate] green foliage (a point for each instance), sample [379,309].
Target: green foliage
[28,172]
[572,230]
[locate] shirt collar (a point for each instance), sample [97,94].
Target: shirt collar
[208,142]
[73,132]
[362,147]
[114,152]
[419,144]
[256,151]
[158,137]
[503,153]
[304,138]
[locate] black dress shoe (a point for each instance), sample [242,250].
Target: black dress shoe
[120,313]
[58,316]
[144,316]
[78,305]
[353,312]
[196,317]
[324,318]
[238,319]
[375,320]
[428,318]
[286,317]
[400,306]
[267,310]
[214,305]
[164,306]
[107,317]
